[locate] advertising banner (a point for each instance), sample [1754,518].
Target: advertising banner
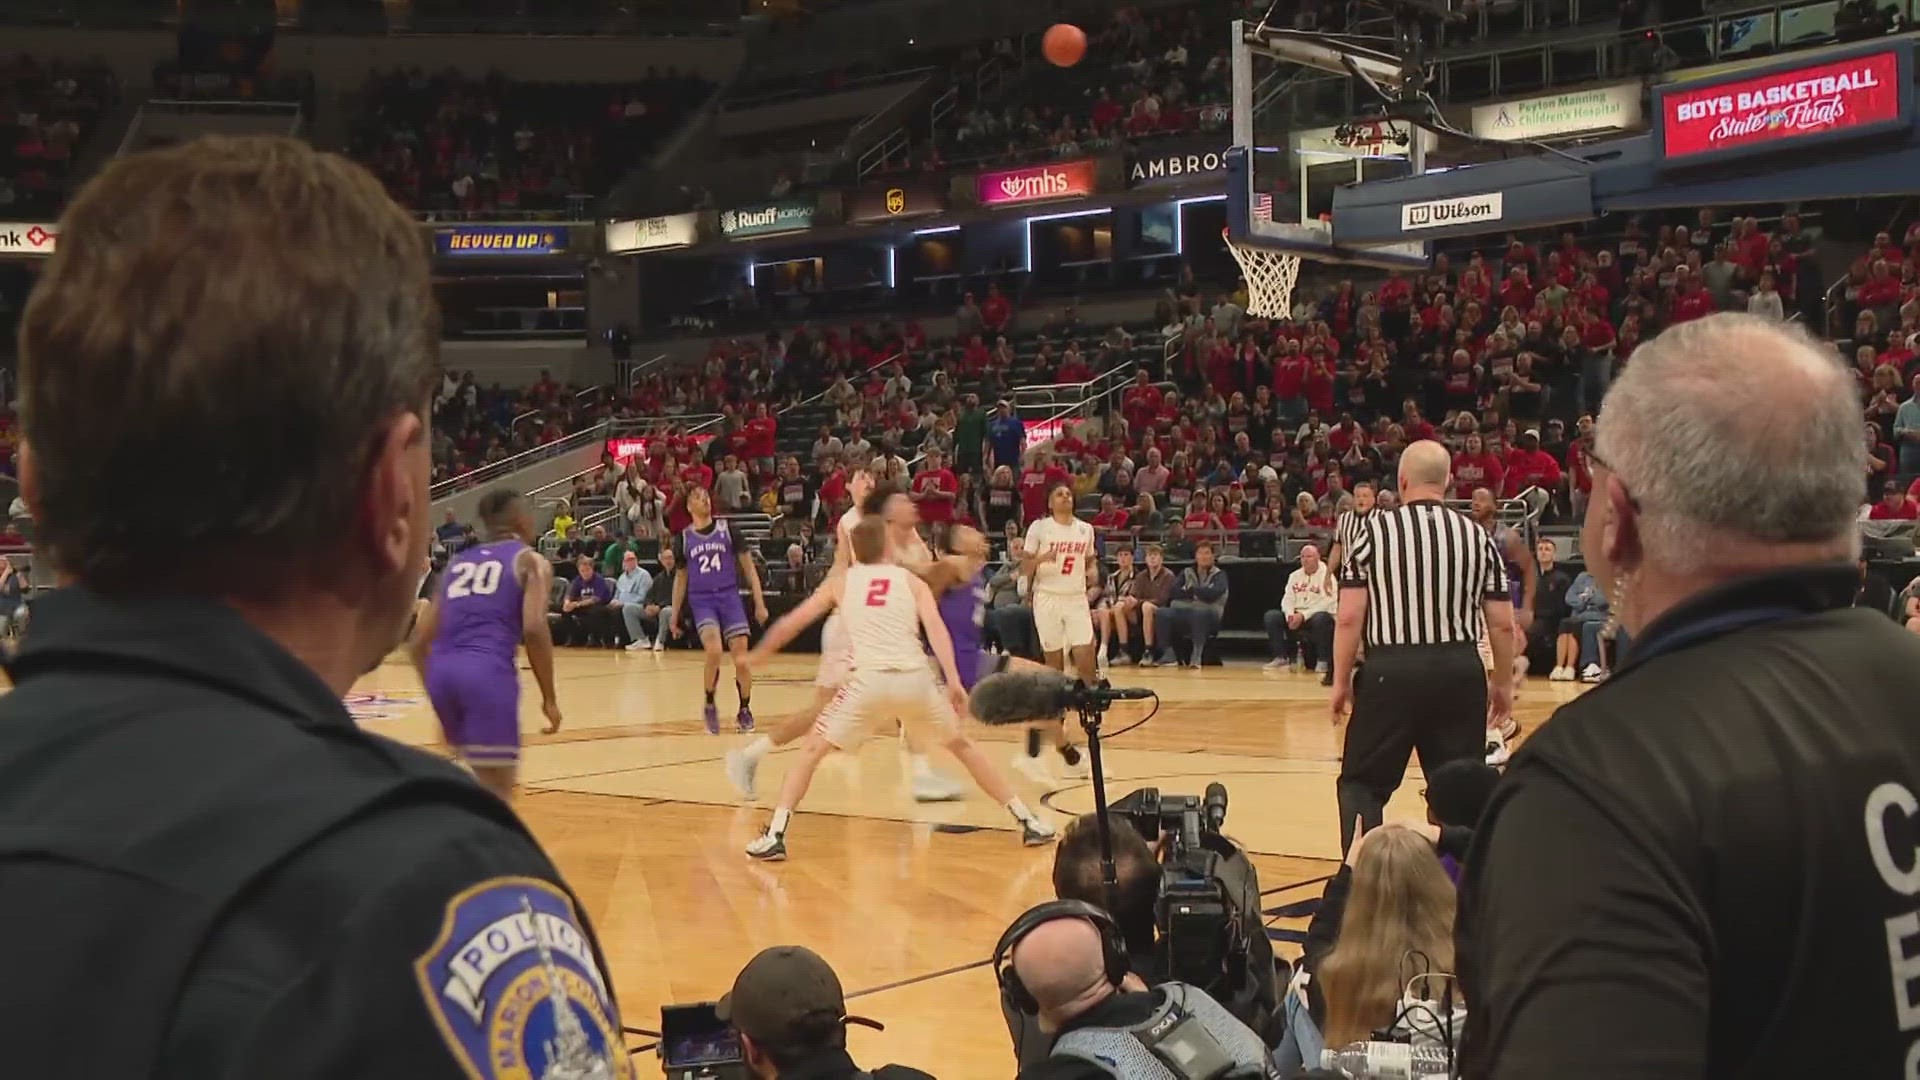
[652,234]
[1058,180]
[1865,93]
[903,199]
[1441,213]
[1040,431]
[1606,108]
[631,446]
[28,239]
[461,241]
[1162,164]
[765,219]
[1364,139]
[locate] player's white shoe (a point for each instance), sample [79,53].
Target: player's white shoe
[933,787]
[1036,832]
[740,770]
[1033,768]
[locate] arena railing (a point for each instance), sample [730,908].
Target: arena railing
[822,395]
[509,465]
[544,494]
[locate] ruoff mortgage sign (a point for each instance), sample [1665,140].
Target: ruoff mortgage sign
[765,219]
[1867,92]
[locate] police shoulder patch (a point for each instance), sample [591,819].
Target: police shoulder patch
[514,986]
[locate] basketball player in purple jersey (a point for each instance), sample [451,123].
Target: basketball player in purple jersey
[708,588]
[492,600]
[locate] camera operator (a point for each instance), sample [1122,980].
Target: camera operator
[791,1016]
[1064,962]
[1133,906]
[1076,876]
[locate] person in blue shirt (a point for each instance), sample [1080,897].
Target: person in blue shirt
[450,533]
[1578,647]
[1006,435]
[1199,603]
[630,599]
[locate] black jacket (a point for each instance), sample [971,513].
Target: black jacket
[211,871]
[1705,867]
[838,1065]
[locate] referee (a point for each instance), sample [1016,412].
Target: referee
[1345,530]
[1417,583]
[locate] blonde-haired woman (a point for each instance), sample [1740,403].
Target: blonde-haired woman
[1391,908]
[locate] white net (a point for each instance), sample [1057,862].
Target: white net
[1270,278]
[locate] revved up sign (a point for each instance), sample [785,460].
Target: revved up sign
[1796,105]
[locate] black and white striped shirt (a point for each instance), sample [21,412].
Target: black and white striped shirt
[1427,570]
[1346,529]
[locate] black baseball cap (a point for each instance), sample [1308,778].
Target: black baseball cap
[780,988]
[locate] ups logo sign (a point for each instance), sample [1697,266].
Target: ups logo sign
[896,200]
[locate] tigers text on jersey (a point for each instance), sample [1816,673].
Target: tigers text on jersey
[882,619]
[1073,545]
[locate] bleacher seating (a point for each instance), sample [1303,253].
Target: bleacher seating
[452,144]
[47,111]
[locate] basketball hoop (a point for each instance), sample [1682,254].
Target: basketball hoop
[1270,277]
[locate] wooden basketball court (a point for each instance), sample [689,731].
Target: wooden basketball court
[904,899]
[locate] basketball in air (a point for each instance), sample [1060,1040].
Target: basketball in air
[1064,44]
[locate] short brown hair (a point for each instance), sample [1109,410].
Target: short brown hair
[249,309]
[869,539]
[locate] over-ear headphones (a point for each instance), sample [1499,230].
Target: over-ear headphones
[1113,947]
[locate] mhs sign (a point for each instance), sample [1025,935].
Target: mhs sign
[1176,165]
[1064,180]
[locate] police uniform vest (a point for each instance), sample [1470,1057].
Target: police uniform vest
[214,785]
[1211,1043]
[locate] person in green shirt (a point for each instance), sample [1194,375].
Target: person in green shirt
[613,557]
[969,436]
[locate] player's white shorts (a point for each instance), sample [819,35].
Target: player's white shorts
[1063,620]
[836,653]
[866,696]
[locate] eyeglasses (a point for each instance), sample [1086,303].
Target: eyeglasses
[1594,457]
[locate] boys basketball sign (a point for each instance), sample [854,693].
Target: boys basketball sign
[1792,106]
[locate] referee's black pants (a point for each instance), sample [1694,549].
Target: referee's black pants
[1429,700]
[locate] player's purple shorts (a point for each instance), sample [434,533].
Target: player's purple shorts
[721,610]
[478,702]
[978,666]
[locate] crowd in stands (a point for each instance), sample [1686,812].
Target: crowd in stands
[1144,76]
[457,143]
[47,110]
[1247,434]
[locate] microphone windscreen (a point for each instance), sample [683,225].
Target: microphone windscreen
[1016,697]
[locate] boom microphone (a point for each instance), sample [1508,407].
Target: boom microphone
[1018,697]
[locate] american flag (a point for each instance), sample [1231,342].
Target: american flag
[1263,207]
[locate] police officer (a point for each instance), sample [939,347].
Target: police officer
[206,869]
[1066,963]
[1706,866]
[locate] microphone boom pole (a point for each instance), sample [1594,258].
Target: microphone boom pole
[1109,876]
